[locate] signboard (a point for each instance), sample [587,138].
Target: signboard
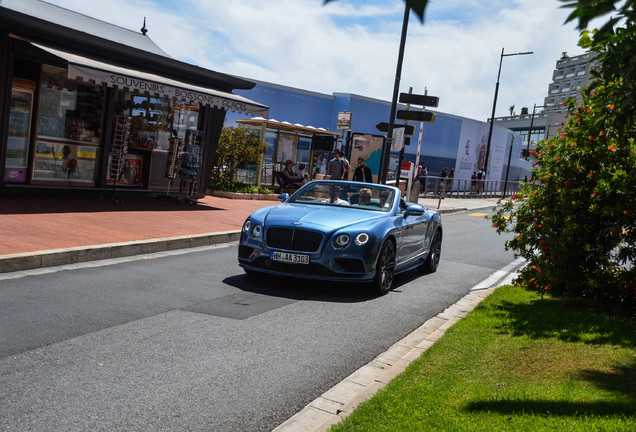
[384,127]
[406,170]
[415,99]
[344,120]
[398,139]
[418,116]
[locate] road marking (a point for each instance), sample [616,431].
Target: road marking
[505,274]
[478,214]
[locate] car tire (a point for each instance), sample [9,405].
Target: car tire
[434,254]
[384,268]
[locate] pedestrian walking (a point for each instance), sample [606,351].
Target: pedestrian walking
[336,168]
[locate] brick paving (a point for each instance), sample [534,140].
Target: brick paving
[41,223]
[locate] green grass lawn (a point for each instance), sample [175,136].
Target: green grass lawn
[516,363]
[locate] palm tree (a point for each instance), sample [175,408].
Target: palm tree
[416,6]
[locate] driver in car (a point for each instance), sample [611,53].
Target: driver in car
[334,196]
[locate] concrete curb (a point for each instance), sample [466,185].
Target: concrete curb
[339,401]
[73,255]
[57,257]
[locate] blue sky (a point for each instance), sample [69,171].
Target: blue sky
[351,46]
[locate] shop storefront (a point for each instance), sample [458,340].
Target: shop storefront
[79,122]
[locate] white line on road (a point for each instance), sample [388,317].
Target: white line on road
[497,276]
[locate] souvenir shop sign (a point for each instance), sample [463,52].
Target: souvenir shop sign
[163,87]
[115,76]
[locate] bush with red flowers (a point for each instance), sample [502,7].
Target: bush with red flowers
[575,222]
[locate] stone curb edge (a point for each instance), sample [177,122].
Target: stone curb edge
[74,255]
[339,401]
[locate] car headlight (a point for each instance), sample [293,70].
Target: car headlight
[362,238]
[247,225]
[256,231]
[341,241]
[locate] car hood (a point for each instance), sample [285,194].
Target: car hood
[326,218]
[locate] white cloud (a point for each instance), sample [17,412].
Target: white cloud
[352,45]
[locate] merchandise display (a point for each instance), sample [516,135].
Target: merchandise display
[120,147]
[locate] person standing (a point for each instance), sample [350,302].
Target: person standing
[443,181]
[336,168]
[481,176]
[423,173]
[451,179]
[362,172]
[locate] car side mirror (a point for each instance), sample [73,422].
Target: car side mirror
[414,210]
[283,197]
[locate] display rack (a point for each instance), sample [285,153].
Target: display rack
[171,161]
[119,149]
[190,165]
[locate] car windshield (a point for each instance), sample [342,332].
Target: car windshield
[353,194]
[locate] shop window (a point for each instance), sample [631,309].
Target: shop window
[154,123]
[69,120]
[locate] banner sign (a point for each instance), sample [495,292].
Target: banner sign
[344,120]
[162,88]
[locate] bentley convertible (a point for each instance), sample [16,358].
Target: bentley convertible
[342,231]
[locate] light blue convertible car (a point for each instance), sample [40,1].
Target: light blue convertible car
[342,231]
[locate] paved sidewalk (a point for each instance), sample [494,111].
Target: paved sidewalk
[47,231]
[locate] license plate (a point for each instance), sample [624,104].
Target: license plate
[291,258]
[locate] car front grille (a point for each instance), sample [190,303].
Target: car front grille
[293,239]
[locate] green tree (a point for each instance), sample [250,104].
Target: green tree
[237,148]
[575,221]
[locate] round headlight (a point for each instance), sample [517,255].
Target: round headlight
[256,231]
[362,238]
[341,241]
[247,225]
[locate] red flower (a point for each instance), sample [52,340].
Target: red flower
[591,175]
[611,148]
[611,107]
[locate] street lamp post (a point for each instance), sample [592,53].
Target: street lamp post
[531,124]
[386,151]
[494,104]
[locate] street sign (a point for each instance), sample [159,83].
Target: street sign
[384,127]
[344,120]
[415,99]
[418,116]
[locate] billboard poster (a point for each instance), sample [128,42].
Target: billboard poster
[471,151]
[368,147]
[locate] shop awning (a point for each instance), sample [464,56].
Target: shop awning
[115,76]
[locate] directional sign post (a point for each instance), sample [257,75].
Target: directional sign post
[418,116]
[384,127]
[423,100]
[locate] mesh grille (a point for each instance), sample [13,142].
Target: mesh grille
[293,239]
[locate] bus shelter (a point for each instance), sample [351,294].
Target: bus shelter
[308,147]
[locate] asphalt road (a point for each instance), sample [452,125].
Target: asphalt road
[184,341]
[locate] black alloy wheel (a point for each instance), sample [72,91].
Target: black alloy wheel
[432,261]
[384,268]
